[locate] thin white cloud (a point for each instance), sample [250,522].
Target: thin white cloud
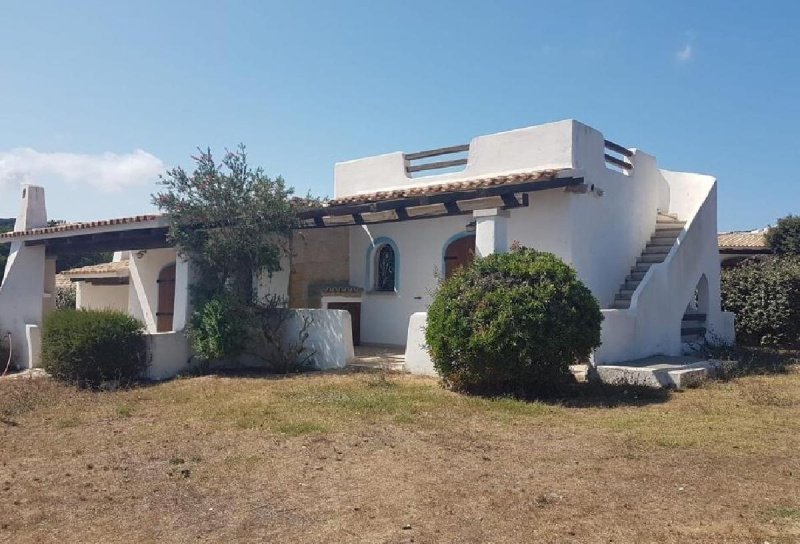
[107,171]
[685,54]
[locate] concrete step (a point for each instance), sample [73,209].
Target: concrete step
[667,215]
[651,258]
[694,317]
[630,284]
[620,304]
[669,221]
[625,294]
[636,276]
[667,230]
[666,372]
[665,241]
[693,331]
[656,250]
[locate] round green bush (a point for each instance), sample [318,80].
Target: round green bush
[90,347]
[512,323]
[765,296]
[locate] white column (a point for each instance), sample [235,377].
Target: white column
[182,309]
[491,231]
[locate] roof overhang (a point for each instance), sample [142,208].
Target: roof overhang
[506,191]
[139,232]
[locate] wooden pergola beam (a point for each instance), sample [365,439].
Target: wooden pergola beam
[438,198]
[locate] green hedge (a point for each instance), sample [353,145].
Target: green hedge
[765,296]
[512,323]
[89,347]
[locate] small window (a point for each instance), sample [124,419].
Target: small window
[385,268]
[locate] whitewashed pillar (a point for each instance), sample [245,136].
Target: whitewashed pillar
[183,281]
[491,231]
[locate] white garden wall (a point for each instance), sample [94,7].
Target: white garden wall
[101,297]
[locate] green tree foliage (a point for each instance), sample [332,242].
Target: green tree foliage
[784,238]
[765,296]
[66,297]
[231,219]
[90,347]
[512,323]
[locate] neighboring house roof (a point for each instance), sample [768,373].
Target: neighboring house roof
[103,270]
[100,225]
[747,241]
[63,281]
[451,187]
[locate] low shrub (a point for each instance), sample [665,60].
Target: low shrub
[765,296]
[90,347]
[512,323]
[218,330]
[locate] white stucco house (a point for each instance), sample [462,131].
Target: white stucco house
[642,238]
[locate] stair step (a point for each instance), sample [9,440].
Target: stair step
[625,294]
[661,241]
[694,317]
[620,305]
[669,221]
[641,267]
[693,331]
[667,215]
[630,284]
[636,276]
[667,230]
[651,258]
[656,250]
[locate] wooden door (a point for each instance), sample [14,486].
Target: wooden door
[355,317]
[459,253]
[166,299]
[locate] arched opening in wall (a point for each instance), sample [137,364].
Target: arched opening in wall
[385,268]
[459,253]
[166,298]
[693,324]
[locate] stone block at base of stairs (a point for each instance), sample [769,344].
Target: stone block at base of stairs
[659,372]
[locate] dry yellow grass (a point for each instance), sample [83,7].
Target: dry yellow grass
[358,457]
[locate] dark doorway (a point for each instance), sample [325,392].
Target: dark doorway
[166,299]
[355,317]
[459,253]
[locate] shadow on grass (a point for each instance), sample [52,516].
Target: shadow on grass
[758,361]
[598,395]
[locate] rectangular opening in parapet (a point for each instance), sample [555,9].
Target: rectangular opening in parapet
[434,162]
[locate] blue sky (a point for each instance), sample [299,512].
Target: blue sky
[97,97]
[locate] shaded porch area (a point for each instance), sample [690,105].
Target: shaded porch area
[378,357]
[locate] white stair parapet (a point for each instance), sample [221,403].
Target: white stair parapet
[648,320]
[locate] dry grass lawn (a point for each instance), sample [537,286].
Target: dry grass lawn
[377,458]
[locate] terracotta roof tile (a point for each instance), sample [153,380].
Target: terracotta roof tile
[63,281]
[119,268]
[80,226]
[463,185]
[743,240]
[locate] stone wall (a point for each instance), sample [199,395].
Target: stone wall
[319,257]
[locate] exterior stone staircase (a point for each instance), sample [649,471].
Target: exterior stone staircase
[668,227]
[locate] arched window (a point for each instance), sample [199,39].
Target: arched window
[385,268]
